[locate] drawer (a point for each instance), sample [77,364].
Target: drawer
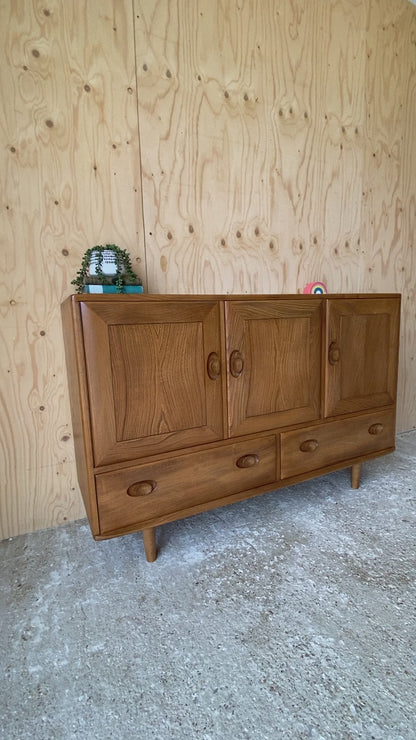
[315,447]
[136,495]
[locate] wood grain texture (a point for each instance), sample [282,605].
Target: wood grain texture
[382,186]
[147,383]
[70,178]
[285,391]
[251,119]
[363,378]
[276,148]
[336,440]
[389,182]
[276,370]
[174,489]
[406,265]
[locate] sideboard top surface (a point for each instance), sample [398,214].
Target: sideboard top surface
[143,297]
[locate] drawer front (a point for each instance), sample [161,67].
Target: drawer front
[135,495]
[309,449]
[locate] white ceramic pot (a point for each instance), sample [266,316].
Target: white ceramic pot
[109,265]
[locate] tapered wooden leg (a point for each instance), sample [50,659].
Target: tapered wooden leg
[149,541]
[355,475]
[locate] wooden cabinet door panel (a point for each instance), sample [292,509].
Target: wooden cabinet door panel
[273,363]
[362,347]
[148,379]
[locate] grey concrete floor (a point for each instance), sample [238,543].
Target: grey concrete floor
[288,616]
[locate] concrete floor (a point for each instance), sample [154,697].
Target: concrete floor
[287,616]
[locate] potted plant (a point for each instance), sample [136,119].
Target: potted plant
[107,269]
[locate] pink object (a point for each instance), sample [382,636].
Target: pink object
[315,288]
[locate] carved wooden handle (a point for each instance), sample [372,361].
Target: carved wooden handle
[334,353]
[213,366]
[142,488]
[248,461]
[375,429]
[236,363]
[309,445]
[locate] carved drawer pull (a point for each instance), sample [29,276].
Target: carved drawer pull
[213,366]
[247,461]
[375,429]
[334,353]
[309,445]
[236,363]
[142,488]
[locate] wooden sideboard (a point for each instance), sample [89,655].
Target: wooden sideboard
[185,403]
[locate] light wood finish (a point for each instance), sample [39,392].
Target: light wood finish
[283,156]
[143,368]
[149,542]
[355,475]
[69,179]
[272,143]
[404,242]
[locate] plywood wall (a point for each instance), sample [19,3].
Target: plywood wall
[278,147]
[252,119]
[388,224]
[238,146]
[70,178]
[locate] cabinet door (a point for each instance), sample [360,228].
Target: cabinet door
[153,374]
[362,346]
[273,363]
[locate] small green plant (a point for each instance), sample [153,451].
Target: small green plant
[96,256]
